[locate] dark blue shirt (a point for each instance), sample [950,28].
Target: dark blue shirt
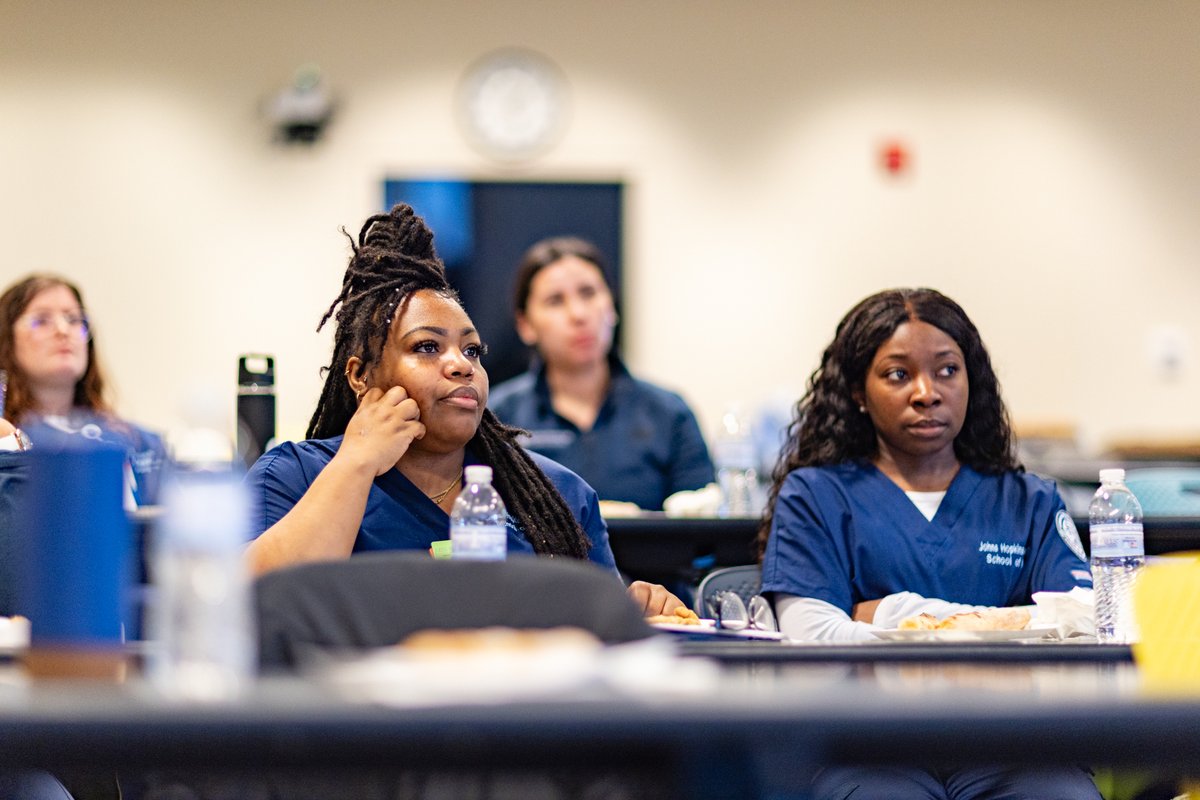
[644,446]
[847,533]
[144,449]
[399,516]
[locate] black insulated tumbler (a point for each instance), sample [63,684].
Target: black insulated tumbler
[255,406]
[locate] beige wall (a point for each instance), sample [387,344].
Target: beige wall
[1054,189]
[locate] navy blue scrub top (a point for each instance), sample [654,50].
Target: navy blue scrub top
[144,450]
[644,446]
[847,533]
[399,516]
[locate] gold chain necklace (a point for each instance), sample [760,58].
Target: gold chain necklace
[440,496]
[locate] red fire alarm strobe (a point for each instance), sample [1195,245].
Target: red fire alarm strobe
[894,157]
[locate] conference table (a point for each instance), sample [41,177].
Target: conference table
[729,651]
[752,725]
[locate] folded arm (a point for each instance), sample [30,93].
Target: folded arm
[811,619]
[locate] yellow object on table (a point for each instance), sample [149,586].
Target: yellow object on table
[1166,601]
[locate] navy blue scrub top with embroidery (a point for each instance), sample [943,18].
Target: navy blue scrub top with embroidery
[846,534]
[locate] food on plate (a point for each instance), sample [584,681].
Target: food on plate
[987,619]
[921,622]
[680,616]
[704,502]
[476,640]
[616,509]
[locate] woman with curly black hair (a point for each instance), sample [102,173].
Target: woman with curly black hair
[402,412]
[898,493]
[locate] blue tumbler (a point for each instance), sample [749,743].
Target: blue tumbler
[72,554]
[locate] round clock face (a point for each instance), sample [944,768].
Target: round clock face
[512,104]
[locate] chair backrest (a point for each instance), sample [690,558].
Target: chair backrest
[1166,492]
[745,581]
[14,472]
[32,784]
[376,599]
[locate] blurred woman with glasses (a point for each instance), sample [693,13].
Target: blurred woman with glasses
[48,371]
[51,384]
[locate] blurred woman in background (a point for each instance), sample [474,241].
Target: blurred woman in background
[53,386]
[631,440]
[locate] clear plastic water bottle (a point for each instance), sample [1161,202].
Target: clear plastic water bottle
[200,620]
[736,459]
[478,521]
[1115,530]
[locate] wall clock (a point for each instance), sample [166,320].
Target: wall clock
[513,104]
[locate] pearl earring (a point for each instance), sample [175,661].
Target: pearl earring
[862,409]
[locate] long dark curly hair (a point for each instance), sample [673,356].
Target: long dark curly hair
[827,427]
[393,258]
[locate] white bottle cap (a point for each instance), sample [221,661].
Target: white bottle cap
[479,473]
[1112,476]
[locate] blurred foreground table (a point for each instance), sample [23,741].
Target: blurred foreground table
[759,732]
[1031,652]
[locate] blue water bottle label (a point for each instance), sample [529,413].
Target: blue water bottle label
[1116,540]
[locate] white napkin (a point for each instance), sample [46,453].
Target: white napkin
[700,503]
[1071,613]
[14,633]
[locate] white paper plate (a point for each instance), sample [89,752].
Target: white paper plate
[701,625]
[14,635]
[963,636]
[394,677]
[708,628]
[390,676]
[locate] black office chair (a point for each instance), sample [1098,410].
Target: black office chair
[376,599]
[14,472]
[32,784]
[744,581]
